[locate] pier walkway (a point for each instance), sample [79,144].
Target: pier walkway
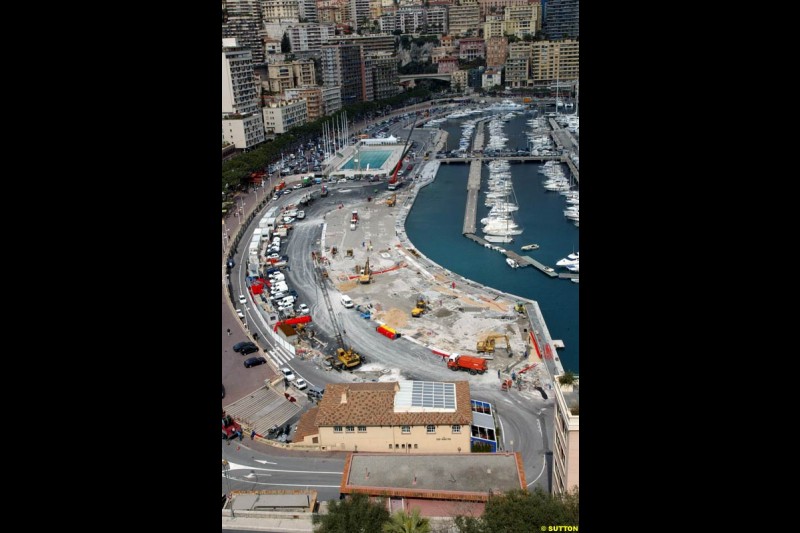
[522,260]
[473,188]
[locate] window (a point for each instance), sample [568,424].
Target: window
[404,446]
[337,429]
[350,429]
[406,429]
[456,429]
[362,429]
[430,429]
[390,446]
[415,446]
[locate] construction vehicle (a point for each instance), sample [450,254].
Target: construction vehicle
[365,275]
[391,201]
[393,182]
[420,308]
[473,365]
[519,307]
[487,344]
[230,427]
[347,356]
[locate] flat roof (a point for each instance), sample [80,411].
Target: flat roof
[464,476]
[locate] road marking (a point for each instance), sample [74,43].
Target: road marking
[264,462]
[236,466]
[540,427]
[540,473]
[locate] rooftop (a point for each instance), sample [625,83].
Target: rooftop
[462,476]
[374,404]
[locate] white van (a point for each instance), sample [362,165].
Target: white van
[288,300]
[346,301]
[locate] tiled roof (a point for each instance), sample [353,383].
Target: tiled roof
[307,425]
[372,404]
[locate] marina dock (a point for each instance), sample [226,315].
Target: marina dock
[473,187]
[509,158]
[568,275]
[522,260]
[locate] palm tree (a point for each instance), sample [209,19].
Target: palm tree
[401,522]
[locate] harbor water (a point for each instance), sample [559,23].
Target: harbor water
[435,223]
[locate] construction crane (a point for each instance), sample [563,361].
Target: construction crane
[487,344]
[347,356]
[366,274]
[393,183]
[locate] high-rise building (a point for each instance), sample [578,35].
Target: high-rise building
[566,432]
[411,19]
[342,65]
[282,75]
[492,7]
[554,60]
[333,11]
[496,51]
[244,24]
[280,9]
[307,10]
[436,19]
[309,37]
[375,10]
[369,43]
[561,19]
[381,69]
[464,19]
[242,124]
[281,115]
[517,71]
[359,13]
[313,98]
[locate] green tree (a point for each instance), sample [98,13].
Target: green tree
[402,522]
[357,514]
[521,511]
[286,45]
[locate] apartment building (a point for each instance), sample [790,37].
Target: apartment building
[566,432]
[282,115]
[242,124]
[464,19]
[552,60]
[309,37]
[561,19]
[471,48]
[282,76]
[496,51]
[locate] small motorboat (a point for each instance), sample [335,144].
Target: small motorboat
[512,263]
[530,247]
[574,280]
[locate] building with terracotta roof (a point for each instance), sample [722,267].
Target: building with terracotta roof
[397,417]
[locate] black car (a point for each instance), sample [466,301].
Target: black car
[250,348]
[254,361]
[239,346]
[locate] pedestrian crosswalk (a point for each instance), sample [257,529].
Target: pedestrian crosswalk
[280,357]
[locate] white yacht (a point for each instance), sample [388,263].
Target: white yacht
[512,263]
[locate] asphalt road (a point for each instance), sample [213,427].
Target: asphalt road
[253,470]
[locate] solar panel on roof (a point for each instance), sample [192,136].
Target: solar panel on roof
[433,394]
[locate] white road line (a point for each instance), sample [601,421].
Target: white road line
[540,474]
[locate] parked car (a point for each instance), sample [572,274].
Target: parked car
[242,299]
[239,345]
[239,313]
[250,348]
[287,373]
[254,361]
[300,384]
[303,309]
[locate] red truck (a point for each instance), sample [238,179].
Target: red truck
[473,365]
[230,427]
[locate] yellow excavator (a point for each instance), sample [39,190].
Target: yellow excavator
[519,307]
[420,308]
[366,274]
[486,345]
[391,201]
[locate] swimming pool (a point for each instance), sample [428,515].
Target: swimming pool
[373,158]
